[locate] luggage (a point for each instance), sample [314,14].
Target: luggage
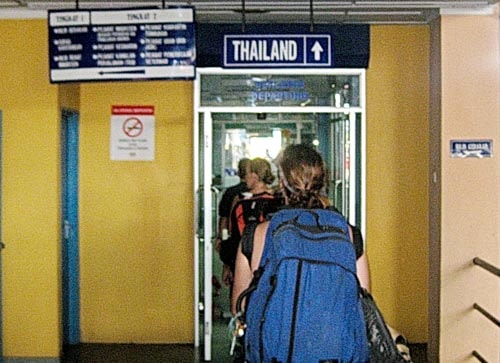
[304,304]
[246,210]
[383,347]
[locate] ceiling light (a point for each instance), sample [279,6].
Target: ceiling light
[9,4]
[380,13]
[421,4]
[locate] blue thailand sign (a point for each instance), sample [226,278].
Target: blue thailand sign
[471,148]
[278,50]
[128,44]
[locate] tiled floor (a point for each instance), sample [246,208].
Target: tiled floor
[173,353]
[151,353]
[178,353]
[129,353]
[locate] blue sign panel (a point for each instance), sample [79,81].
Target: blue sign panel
[96,45]
[278,50]
[471,148]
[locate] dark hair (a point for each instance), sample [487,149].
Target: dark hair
[262,168]
[304,177]
[242,167]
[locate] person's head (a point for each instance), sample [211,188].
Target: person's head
[303,176]
[259,171]
[242,167]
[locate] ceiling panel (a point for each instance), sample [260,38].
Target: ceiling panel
[265,11]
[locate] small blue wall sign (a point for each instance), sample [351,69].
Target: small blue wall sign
[278,50]
[471,148]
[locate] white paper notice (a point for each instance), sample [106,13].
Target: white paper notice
[132,133]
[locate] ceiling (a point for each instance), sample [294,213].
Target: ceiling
[282,11]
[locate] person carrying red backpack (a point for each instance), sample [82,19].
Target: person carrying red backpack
[253,206]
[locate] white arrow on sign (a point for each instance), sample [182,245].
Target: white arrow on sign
[317,49]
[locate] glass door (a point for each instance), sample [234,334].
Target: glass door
[226,137]
[345,166]
[203,234]
[256,115]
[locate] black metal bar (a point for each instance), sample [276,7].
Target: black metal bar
[487,266]
[488,315]
[479,357]
[77,4]
[163,3]
[311,15]
[243,17]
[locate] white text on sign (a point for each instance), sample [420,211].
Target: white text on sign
[258,50]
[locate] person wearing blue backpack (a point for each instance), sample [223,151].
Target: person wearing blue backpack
[302,277]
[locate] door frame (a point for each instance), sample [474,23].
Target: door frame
[207,234]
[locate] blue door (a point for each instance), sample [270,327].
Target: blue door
[1,244]
[70,250]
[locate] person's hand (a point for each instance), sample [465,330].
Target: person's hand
[218,243]
[227,275]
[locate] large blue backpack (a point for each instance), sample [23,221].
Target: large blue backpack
[304,305]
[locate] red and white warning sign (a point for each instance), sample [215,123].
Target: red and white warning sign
[132,133]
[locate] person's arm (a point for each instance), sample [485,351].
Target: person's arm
[363,271]
[242,278]
[223,225]
[223,212]
[243,272]
[362,266]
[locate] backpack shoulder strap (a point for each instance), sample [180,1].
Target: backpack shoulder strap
[247,241]
[357,240]
[357,237]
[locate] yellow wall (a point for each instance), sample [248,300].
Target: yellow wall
[30,192]
[136,219]
[136,231]
[397,175]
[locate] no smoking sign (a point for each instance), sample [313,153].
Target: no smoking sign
[132,133]
[132,127]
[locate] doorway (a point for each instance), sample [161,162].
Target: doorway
[256,115]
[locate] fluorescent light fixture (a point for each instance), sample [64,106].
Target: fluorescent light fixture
[21,13]
[316,13]
[487,10]
[90,4]
[384,13]
[9,4]
[421,4]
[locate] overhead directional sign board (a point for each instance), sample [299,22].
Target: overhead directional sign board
[278,50]
[126,44]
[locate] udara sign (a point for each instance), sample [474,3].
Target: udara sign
[278,50]
[471,148]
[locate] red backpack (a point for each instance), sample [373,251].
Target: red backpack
[254,209]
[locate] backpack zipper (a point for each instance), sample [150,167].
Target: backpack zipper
[294,311]
[263,319]
[273,283]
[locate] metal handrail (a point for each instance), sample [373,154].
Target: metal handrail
[485,313]
[495,271]
[486,265]
[479,357]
